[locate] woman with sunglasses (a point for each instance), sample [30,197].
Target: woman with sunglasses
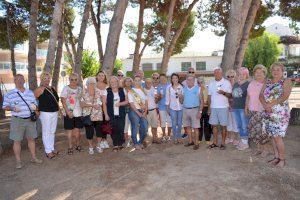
[233,135]
[70,99]
[174,100]
[48,108]
[127,87]
[102,86]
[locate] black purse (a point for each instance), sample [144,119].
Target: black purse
[33,116]
[86,120]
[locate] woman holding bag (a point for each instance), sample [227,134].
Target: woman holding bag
[48,108]
[92,112]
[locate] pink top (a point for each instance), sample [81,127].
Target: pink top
[253,91]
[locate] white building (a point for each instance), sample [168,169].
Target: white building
[203,63]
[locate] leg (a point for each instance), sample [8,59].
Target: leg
[189,132]
[179,124]
[215,134]
[46,131]
[17,150]
[169,124]
[54,118]
[134,120]
[76,133]
[31,146]
[196,132]
[69,132]
[174,123]
[143,129]
[224,133]
[281,150]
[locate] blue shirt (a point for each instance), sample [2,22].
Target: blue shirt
[12,99]
[191,97]
[162,89]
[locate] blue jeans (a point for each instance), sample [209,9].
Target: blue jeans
[176,118]
[135,121]
[242,122]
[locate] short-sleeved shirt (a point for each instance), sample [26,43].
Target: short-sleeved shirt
[219,100]
[73,97]
[116,100]
[253,92]
[162,89]
[96,115]
[239,95]
[135,96]
[12,99]
[172,98]
[151,98]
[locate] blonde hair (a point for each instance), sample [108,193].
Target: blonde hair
[74,75]
[44,74]
[231,72]
[261,67]
[244,71]
[278,65]
[113,77]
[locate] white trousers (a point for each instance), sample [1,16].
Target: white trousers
[49,124]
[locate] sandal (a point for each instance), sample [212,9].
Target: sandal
[55,152]
[213,145]
[189,144]
[70,151]
[50,155]
[274,161]
[222,147]
[78,148]
[283,160]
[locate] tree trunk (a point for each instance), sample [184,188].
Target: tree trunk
[32,79]
[237,16]
[2,112]
[78,57]
[97,25]
[113,37]
[10,38]
[59,53]
[71,38]
[71,61]
[58,9]
[137,57]
[246,32]
[164,63]
[173,42]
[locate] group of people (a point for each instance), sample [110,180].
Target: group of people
[244,109]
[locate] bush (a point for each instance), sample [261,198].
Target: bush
[147,74]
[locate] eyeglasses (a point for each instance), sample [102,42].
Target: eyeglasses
[230,76]
[73,79]
[191,72]
[121,75]
[155,78]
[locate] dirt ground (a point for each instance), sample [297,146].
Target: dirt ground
[164,171]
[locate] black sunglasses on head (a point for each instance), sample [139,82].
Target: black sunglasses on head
[73,79]
[120,75]
[230,76]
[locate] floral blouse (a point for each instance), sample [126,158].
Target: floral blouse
[96,115]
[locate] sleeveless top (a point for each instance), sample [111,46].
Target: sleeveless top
[47,102]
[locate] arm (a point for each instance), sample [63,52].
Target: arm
[38,92]
[201,99]
[261,96]
[64,104]
[247,105]
[146,109]
[208,104]
[132,106]
[105,108]
[287,89]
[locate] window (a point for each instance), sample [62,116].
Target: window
[185,66]
[21,66]
[38,68]
[201,66]
[147,66]
[41,52]
[19,47]
[4,66]
[158,66]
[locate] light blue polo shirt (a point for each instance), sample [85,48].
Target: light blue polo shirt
[162,89]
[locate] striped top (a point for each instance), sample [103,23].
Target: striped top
[12,99]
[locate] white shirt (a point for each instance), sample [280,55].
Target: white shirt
[116,100]
[141,96]
[219,100]
[73,97]
[171,99]
[151,98]
[185,84]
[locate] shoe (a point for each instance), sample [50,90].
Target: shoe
[36,160]
[189,144]
[128,144]
[106,146]
[196,147]
[242,146]
[168,138]
[184,136]
[208,142]
[236,142]
[91,150]
[19,165]
[228,141]
[164,138]
[222,147]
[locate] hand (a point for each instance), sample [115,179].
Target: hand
[246,111]
[117,104]
[16,109]
[144,114]
[139,114]
[199,115]
[106,118]
[97,107]
[208,111]
[221,92]
[70,114]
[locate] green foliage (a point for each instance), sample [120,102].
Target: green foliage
[262,50]
[147,74]
[118,66]
[290,8]
[215,14]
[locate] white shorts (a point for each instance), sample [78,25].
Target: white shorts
[152,118]
[165,119]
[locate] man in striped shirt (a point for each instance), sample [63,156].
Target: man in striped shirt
[20,121]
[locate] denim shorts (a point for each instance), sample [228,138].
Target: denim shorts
[219,116]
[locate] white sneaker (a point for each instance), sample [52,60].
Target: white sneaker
[102,145]
[99,150]
[128,144]
[168,138]
[164,138]
[91,150]
[106,146]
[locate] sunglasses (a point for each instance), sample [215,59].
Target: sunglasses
[191,72]
[73,79]
[230,76]
[121,75]
[155,78]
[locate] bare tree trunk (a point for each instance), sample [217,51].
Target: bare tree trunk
[71,38]
[137,57]
[164,63]
[71,61]
[78,57]
[59,53]
[2,112]
[237,16]
[10,38]
[97,24]
[32,79]
[173,42]
[246,32]
[114,36]
[58,9]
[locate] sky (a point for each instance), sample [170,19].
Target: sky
[203,41]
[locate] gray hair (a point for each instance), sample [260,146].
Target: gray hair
[90,80]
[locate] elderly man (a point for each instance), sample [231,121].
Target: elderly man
[140,73]
[21,102]
[152,116]
[192,110]
[191,71]
[219,90]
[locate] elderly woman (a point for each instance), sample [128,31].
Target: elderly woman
[127,87]
[48,108]
[70,98]
[274,98]
[254,110]
[138,113]
[91,103]
[116,103]
[102,86]
[233,135]
[239,95]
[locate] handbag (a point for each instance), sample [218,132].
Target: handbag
[106,128]
[87,121]
[33,116]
